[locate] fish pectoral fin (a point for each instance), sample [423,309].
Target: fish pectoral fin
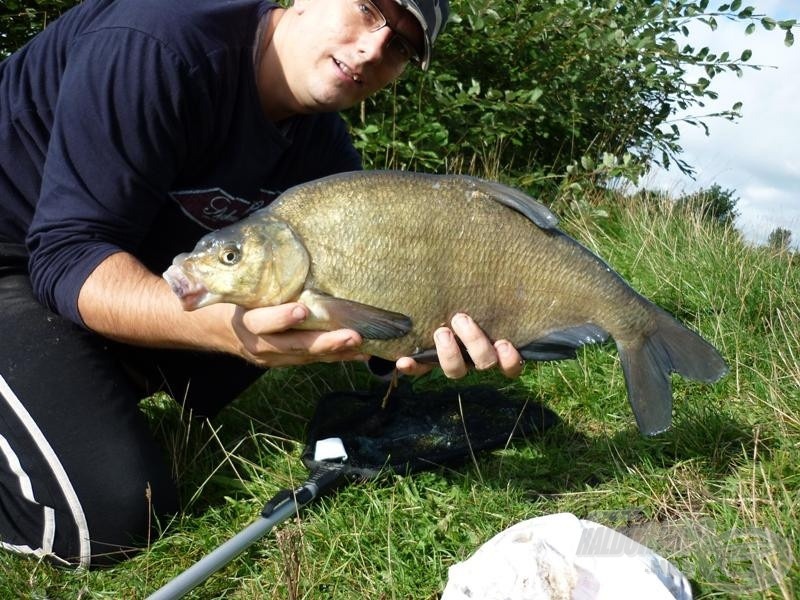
[562,344]
[329,313]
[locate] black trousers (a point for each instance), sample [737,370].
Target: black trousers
[76,455]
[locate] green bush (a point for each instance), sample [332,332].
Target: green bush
[574,88]
[714,204]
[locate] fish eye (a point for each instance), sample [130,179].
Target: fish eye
[229,255]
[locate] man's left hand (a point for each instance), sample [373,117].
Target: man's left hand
[484,353]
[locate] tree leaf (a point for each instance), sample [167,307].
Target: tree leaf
[768,23]
[746,55]
[789,39]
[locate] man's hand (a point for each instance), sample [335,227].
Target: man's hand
[267,339]
[483,353]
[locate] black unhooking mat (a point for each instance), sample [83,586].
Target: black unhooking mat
[407,431]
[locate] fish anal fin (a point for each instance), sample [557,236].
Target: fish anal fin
[329,312]
[545,352]
[563,343]
[556,345]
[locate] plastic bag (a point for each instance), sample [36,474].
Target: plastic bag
[561,557]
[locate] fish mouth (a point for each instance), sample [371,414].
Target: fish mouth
[191,293]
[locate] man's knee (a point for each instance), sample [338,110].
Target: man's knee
[126,515]
[110,518]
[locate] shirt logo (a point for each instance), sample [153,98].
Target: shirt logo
[214,207]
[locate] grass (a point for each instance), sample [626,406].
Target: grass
[719,494]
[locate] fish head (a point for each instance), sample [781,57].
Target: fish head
[259,261]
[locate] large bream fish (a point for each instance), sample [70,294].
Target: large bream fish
[394,255]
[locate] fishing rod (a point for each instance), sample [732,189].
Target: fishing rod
[282,506]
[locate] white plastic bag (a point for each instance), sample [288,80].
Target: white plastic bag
[561,557]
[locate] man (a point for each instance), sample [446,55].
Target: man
[128,129]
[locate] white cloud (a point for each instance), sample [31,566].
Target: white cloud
[759,155]
[763,209]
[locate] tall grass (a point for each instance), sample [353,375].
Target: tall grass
[718,494]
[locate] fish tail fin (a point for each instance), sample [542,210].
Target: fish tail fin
[647,366]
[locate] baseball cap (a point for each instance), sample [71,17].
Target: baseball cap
[432,15]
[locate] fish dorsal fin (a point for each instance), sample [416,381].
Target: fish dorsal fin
[373,323]
[517,200]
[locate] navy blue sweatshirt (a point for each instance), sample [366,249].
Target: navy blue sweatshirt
[135,125]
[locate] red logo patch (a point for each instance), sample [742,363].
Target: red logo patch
[214,208]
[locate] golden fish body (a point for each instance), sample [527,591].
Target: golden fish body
[395,255]
[429,247]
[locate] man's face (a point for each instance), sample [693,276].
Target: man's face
[334,61]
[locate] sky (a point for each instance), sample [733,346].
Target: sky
[758,155]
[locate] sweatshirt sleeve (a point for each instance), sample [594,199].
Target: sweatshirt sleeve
[119,135]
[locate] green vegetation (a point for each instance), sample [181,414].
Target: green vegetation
[780,239]
[726,473]
[543,91]
[714,204]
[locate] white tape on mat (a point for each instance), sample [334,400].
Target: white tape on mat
[330,449]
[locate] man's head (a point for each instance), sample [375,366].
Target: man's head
[327,55]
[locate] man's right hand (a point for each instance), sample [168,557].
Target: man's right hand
[267,338]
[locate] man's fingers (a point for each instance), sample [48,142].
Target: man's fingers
[273,324]
[449,352]
[478,346]
[324,342]
[509,359]
[272,319]
[408,366]
[269,340]
[308,343]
